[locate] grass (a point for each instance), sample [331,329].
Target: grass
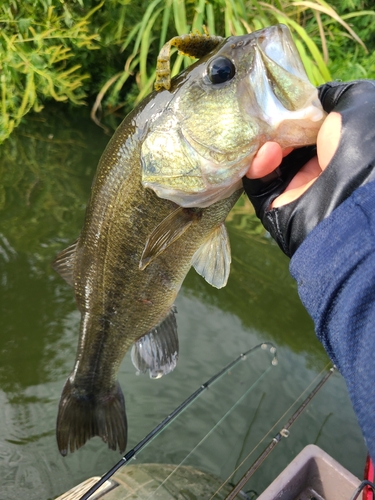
[104,54]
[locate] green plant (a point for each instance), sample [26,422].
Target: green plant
[37,59]
[348,61]
[104,54]
[310,22]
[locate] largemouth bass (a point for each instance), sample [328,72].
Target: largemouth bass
[163,188]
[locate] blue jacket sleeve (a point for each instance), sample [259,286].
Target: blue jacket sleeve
[335,272]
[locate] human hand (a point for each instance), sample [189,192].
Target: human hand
[288,190]
[270,155]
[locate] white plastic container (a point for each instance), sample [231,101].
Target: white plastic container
[313,474]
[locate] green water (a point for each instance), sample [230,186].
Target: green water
[45,176]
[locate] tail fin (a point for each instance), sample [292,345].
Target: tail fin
[83,416]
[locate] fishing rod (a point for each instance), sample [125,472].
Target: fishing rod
[164,423]
[284,432]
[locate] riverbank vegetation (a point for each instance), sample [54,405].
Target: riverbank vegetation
[102,54]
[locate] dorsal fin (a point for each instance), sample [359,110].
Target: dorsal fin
[157,351]
[64,263]
[168,231]
[212,259]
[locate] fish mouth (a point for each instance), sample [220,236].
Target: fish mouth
[270,98]
[277,44]
[277,83]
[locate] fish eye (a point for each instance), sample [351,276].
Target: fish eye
[221,70]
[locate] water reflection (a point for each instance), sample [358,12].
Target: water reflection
[46,171]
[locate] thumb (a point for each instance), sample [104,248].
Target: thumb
[328,139]
[266,160]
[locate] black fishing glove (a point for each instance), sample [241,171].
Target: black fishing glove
[351,166]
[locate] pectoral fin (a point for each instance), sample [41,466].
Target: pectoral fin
[168,231]
[212,259]
[64,263]
[157,351]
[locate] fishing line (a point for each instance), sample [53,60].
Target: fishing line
[246,436]
[278,437]
[168,420]
[218,423]
[284,432]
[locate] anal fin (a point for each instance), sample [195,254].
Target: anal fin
[157,351]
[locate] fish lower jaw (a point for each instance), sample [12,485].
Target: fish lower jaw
[309,117]
[202,199]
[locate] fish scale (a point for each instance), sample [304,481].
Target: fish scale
[163,189]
